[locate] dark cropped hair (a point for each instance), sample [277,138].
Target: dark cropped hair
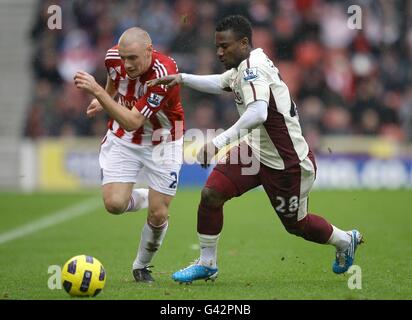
[240,26]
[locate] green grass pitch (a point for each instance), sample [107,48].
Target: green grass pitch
[258,259]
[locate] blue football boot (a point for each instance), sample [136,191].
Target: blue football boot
[344,259]
[193,272]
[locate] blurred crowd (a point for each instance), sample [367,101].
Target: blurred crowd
[344,81]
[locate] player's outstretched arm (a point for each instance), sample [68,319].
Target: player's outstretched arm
[169,81]
[208,83]
[128,119]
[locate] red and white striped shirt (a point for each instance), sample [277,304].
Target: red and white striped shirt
[160,105]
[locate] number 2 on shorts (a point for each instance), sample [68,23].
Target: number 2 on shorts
[174,183]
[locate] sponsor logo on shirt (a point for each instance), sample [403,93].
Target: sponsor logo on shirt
[154,100]
[250,74]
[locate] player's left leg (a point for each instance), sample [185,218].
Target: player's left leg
[288,191]
[152,235]
[162,166]
[225,182]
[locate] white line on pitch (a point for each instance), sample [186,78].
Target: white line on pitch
[57,217]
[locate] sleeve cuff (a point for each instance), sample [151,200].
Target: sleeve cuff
[220,141]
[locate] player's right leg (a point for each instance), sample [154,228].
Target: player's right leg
[225,182]
[119,170]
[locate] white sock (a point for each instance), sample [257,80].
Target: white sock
[340,239]
[151,239]
[208,249]
[138,200]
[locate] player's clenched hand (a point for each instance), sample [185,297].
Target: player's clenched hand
[169,81]
[93,108]
[206,154]
[85,81]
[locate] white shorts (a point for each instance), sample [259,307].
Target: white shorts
[155,166]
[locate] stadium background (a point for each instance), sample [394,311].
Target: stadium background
[352,86]
[353,90]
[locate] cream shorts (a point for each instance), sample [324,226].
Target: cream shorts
[155,166]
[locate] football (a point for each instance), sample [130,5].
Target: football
[83,276]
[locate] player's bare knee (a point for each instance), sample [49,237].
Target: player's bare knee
[158,216]
[212,198]
[114,205]
[113,208]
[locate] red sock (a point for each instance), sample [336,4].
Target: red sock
[209,219]
[312,228]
